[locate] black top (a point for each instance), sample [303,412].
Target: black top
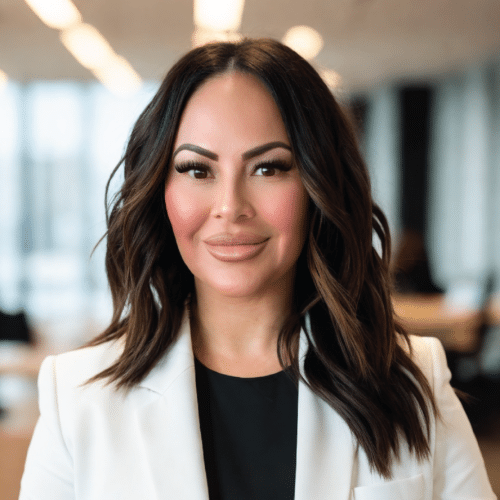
[249,433]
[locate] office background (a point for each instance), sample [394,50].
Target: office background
[422,80]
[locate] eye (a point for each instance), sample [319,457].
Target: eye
[198,173]
[266,171]
[271,168]
[193,169]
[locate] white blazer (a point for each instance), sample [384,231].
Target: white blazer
[94,443]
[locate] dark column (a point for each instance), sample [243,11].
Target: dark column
[415,131]
[411,263]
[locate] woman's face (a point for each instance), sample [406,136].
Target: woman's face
[234,196]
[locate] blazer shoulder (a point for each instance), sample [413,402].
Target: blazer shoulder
[429,355]
[74,368]
[427,352]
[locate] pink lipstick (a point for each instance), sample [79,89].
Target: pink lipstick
[235,248]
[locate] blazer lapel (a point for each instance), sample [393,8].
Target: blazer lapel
[325,447]
[171,432]
[170,424]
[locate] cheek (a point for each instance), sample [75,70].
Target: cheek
[185,212]
[287,213]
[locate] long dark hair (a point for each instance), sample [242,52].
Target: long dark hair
[357,359]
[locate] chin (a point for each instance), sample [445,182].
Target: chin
[246,285]
[236,290]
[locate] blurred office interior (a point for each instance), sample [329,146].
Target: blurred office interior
[421,79]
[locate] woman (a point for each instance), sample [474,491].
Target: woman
[253,351]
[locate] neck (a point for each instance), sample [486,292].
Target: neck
[238,336]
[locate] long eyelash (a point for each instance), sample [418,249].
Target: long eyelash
[282,165]
[190,165]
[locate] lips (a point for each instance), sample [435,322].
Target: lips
[227,239]
[235,248]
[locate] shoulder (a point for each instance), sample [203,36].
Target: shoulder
[458,468]
[75,409]
[62,380]
[424,347]
[428,354]
[74,368]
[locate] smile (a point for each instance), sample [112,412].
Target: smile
[238,248]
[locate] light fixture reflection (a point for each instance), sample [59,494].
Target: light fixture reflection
[119,77]
[88,46]
[331,78]
[57,14]
[94,52]
[218,15]
[305,40]
[3,80]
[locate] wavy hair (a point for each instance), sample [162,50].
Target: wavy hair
[357,360]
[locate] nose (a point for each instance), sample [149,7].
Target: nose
[232,200]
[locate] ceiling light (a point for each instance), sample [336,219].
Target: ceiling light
[88,46]
[218,15]
[201,36]
[305,40]
[331,78]
[3,80]
[58,14]
[119,77]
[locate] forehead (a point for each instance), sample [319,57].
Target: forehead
[234,107]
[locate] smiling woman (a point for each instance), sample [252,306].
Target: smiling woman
[253,350]
[238,211]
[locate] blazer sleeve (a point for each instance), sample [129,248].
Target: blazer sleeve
[48,472]
[459,470]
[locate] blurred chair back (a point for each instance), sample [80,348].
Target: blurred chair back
[14,328]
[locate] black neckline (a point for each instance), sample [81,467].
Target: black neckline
[233,377]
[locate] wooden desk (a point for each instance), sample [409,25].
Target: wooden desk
[21,413]
[13,449]
[24,360]
[16,427]
[429,315]
[493,310]
[21,360]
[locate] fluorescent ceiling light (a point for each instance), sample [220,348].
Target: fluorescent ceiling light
[88,46]
[3,80]
[201,36]
[305,40]
[119,77]
[331,78]
[218,15]
[58,14]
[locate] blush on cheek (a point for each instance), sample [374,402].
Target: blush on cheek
[288,210]
[288,215]
[187,214]
[176,214]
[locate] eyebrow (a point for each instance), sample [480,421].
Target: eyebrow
[251,153]
[196,149]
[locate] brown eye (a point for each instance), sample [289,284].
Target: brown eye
[266,171]
[272,168]
[198,173]
[194,169]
